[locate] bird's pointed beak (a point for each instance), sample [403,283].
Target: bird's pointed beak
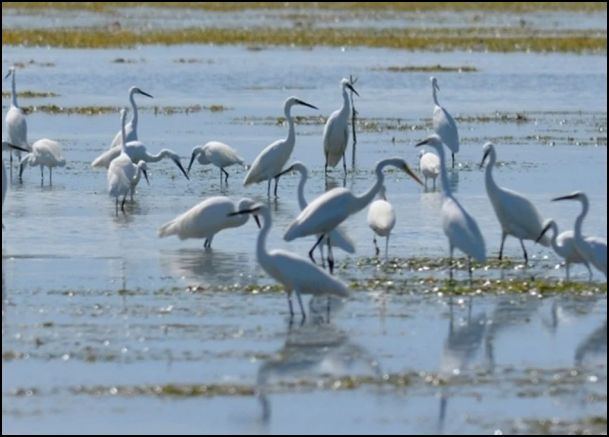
[179,164]
[287,170]
[412,174]
[567,197]
[192,159]
[421,143]
[300,102]
[543,232]
[352,89]
[146,176]
[484,158]
[8,74]
[12,146]
[145,94]
[243,211]
[257,221]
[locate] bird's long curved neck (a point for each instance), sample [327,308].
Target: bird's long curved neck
[123,135]
[261,251]
[365,199]
[291,132]
[488,173]
[157,157]
[14,91]
[444,173]
[302,202]
[346,108]
[134,107]
[435,95]
[580,220]
[553,238]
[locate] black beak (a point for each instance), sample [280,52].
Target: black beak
[8,74]
[352,89]
[567,197]
[244,211]
[287,170]
[300,102]
[543,232]
[484,159]
[145,94]
[257,221]
[179,164]
[192,159]
[422,143]
[146,176]
[21,149]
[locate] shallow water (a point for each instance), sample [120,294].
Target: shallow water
[107,328]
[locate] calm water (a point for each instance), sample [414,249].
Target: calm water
[102,320]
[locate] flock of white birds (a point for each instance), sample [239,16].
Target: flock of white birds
[127,159]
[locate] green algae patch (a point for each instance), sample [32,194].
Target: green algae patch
[31,94]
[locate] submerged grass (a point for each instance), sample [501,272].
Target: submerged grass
[31,94]
[409,39]
[99,110]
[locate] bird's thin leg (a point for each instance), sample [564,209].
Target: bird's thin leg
[589,271]
[304,316]
[41,175]
[328,309]
[321,237]
[526,256]
[453,155]
[376,247]
[116,205]
[567,267]
[345,164]
[503,237]
[387,247]
[50,175]
[225,175]
[330,257]
[268,189]
[469,269]
[290,304]
[123,203]
[276,185]
[205,246]
[450,262]
[321,254]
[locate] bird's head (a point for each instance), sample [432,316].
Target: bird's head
[346,83]
[11,70]
[434,83]
[297,166]
[291,101]
[487,150]
[136,90]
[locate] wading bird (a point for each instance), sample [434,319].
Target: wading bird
[381,219]
[429,166]
[131,128]
[444,124]
[219,154]
[45,153]
[16,125]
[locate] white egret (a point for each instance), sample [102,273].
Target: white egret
[338,237]
[45,153]
[136,150]
[381,219]
[142,168]
[327,211]
[122,171]
[564,246]
[459,226]
[429,166]
[16,124]
[592,249]
[444,124]
[6,146]
[336,131]
[219,154]
[516,214]
[206,219]
[297,274]
[131,128]
[269,163]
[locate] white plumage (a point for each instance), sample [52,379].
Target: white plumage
[564,246]
[216,153]
[16,125]
[429,166]
[381,219]
[45,153]
[131,127]
[444,124]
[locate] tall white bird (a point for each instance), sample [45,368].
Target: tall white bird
[131,128]
[592,249]
[338,237]
[516,214]
[45,153]
[136,150]
[219,154]
[381,219]
[444,124]
[296,274]
[122,171]
[329,210]
[16,125]
[269,163]
[336,131]
[206,219]
[6,146]
[459,226]
[564,246]
[429,166]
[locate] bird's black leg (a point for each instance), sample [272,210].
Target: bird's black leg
[321,237]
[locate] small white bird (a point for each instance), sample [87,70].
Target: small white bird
[219,154]
[336,131]
[45,153]
[122,172]
[270,162]
[564,246]
[6,146]
[16,124]
[592,249]
[516,214]
[338,237]
[297,274]
[429,166]
[329,210]
[459,226]
[136,150]
[381,219]
[131,128]
[444,124]
[206,219]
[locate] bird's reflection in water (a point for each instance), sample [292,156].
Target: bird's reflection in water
[211,265]
[593,348]
[464,340]
[313,352]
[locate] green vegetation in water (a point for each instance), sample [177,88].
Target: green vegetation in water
[506,40]
[98,110]
[31,94]
[350,6]
[427,69]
